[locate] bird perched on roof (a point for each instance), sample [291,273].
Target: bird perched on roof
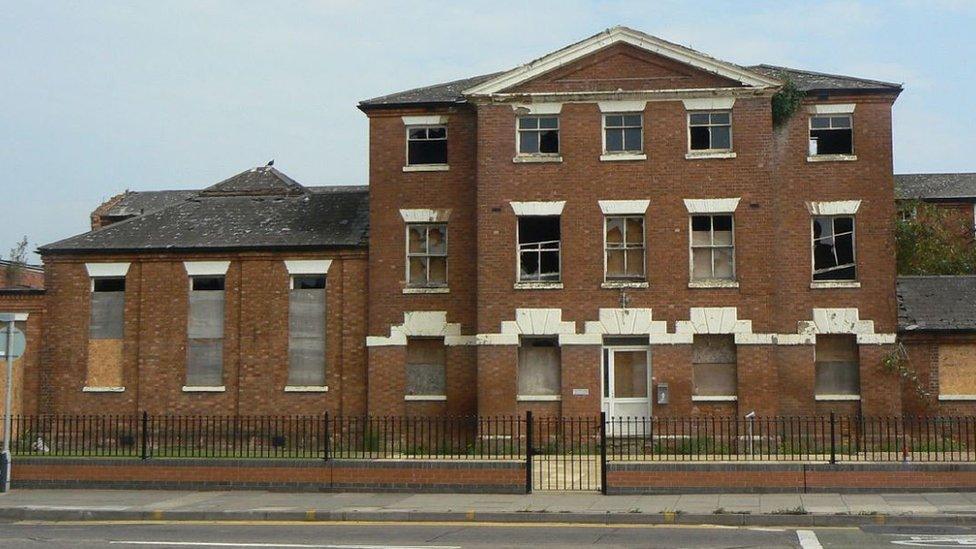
[270,162]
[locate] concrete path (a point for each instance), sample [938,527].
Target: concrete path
[736,509]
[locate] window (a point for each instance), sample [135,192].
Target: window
[713,365]
[427,255]
[622,133]
[712,247]
[957,370]
[426,367]
[831,135]
[710,131]
[625,247]
[205,332]
[426,145]
[837,364]
[538,135]
[538,248]
[306,331]
[105,332]
[539,367]
[833,248]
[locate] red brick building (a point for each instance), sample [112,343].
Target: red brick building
[618,225]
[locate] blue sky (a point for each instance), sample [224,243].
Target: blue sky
[99,97]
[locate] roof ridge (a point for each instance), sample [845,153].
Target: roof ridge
[829,74]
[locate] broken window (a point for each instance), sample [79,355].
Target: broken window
[105,332]
[713,365]
[426,145]
[622,133]
[426,367]
[625,247]
[538,135]
[426,255]
[538,248]
[712,247]
[837,364]
[205,332]
[833,248]
[539,369]
[710,131]
[831,135]
[306,331]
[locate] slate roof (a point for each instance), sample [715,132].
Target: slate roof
[810,81]
[256,209]
[935,186]
[447,92]
[936,303]
[140,202]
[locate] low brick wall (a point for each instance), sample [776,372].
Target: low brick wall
[309,475]
[664,478]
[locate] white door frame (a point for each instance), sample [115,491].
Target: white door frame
[607,398]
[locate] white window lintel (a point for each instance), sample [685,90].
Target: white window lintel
[711,205]
[709,103]
[832,108]
[100,270]
[308,266]
[622,106]
[426,215]
[624,207]
[204,268]
[538,208]
[537,108]
[425,120]
[839,207]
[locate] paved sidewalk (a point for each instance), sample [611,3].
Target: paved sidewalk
[765,509]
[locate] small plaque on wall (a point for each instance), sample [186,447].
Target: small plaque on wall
[581,392]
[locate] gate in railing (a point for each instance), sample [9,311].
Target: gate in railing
[566,453]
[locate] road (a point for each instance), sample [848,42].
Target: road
[447,535]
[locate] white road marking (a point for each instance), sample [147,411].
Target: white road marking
[283,545]
[808,539]
[947,540]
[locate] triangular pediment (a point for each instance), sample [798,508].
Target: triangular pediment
[622,59]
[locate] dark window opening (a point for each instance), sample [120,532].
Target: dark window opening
[108,285]
[427,145]
[308,282]
[710,131]
[208,283]
[831,135]
[538,245]
[833,248]
[538,134]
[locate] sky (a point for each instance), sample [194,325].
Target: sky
[99,97]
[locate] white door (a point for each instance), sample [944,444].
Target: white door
[626,389]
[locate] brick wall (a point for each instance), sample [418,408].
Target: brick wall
[923,360]
[26,369]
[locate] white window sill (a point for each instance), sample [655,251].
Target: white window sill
[103,389]
[949,398]
[834,284]
[437,290]
[536,158]
[538,286]
[539,398]
[427,168]
[832,158]
[837,398]
[717,283]
[714,398]
[204,389]
[306,389]
[622,157]
[620,284]
[425,398]
[703,155]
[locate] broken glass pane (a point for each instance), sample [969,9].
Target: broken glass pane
[418,239]
[615,263]
[418,270]
[723,263]
[702,263]
[635,230]
[437,240]
[549,141]
[438,270]
[699,138]
[635,262]
[615,230]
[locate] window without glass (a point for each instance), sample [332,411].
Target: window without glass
[205,332]
[426,367]
[427,255]
[539,367]
[538,135]
[831,135]
[833,248]
[712,247]
[713,365]
[105,332]
[306,331]
[710,131]
[838,366]
[622,133]
[426,145]
[625,247]
[538,248]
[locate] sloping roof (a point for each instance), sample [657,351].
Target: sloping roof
[262,181]
[935,186]
[810,81]
[140,202]
[448,92]
[238,215]
[936,303]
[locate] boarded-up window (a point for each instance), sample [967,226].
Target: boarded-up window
[625,247]
[838,369]
[713,365]
[306,331]
[205,332]
[957,369]
[425,367]
[105,329]
[539,367]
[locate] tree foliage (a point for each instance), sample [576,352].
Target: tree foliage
[785,102]
[931,241]
[18,259]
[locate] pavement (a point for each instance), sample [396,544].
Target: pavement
[956,508]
